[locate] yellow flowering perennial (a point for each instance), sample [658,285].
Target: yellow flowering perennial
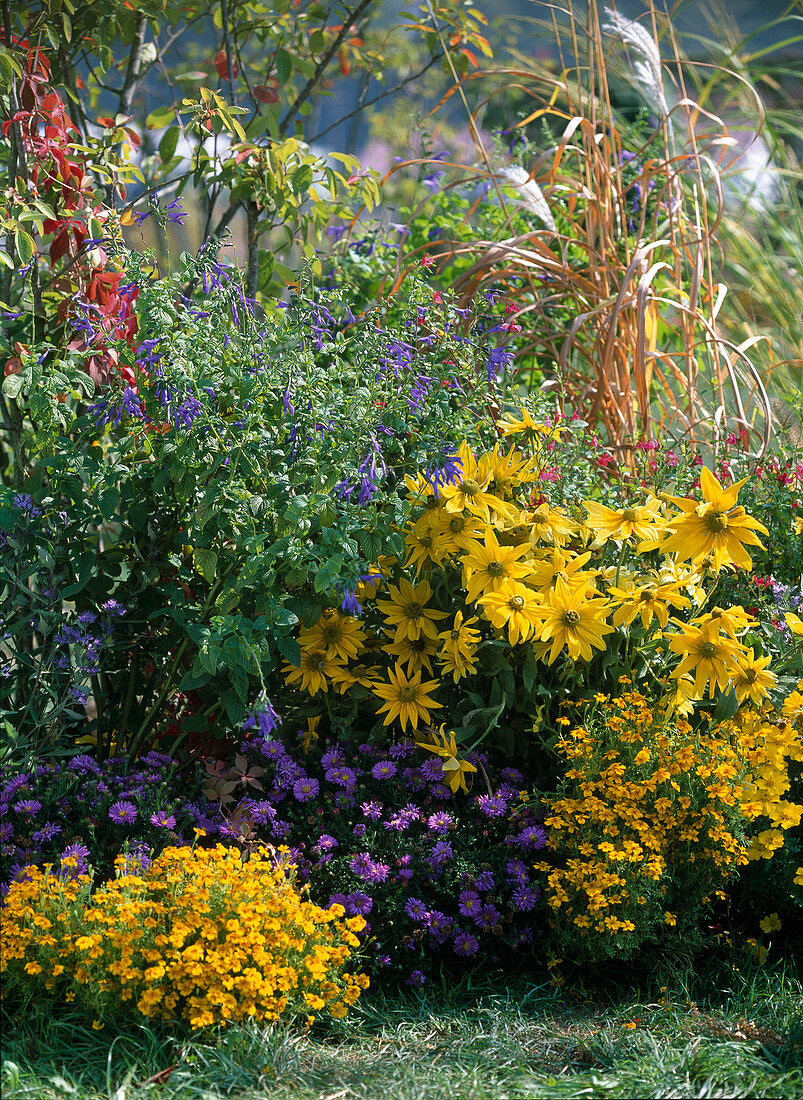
[654,814]
[206,936]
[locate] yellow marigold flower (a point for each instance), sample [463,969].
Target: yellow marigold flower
[573,621]
[798,879]
[406,610]
[455,770]
[415,653]
[314,671]
[771,923]
[514,607]
[710,658]
[339,636]
[626,523]
[470,494]
[670,918]
[486,567]
[716,527]
[406,698]
[751,678]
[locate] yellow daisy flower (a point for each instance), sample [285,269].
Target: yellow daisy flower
[414,653]
[573,621]
[549,525]
[544,574]
[457,529]
[407,611]
[650,599]
[751,678]
[345,678]
[716,527]
[406,698]
[708,656]
[455,770]
[515,607]
[425,545]
[623,524]
[338,635]
[314,671]
[509,471]
[470,493]
[486,567]
[458,646]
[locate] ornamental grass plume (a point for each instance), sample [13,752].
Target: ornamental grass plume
[204,936]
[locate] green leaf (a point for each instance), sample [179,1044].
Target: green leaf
[284,65]
[168,143]
[108,499]
[328,573]
[205,562]
[12,384]
[26,246]
[162,116]
[288,647]
[302,178]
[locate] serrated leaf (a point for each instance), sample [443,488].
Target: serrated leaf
[205,562]
[108,499]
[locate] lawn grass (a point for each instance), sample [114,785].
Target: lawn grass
[731,1031]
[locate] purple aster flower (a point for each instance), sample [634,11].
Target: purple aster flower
[517,871]
[326,843]
[512,775]
[124,813]
[531,839]
[525,899]
[337,899]
[83,763]
[358,831]
[441,853]
[385,769]
[333,757]
[28,806]
[401,750]
[416,978]
[438,924]
[484,881]
[358,904]
[305,789]
[342,776]
[431,770]
[163,820]
[470,903]
[465,944]
[416,910]
[487,917]
[372,810]
[492,805]
[274,750]
[440,822]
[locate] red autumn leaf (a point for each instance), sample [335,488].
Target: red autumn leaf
[265,93]
[222,65]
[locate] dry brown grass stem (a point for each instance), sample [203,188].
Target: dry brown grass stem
[625,315]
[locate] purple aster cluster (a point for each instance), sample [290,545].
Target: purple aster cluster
[90,813]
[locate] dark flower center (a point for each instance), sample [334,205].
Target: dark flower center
[495,569]
[630,515]
[471,487]
[716,522]
[407,694]
[517,602]
[571,618]
[707,650]
[456,524]
[413,610]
